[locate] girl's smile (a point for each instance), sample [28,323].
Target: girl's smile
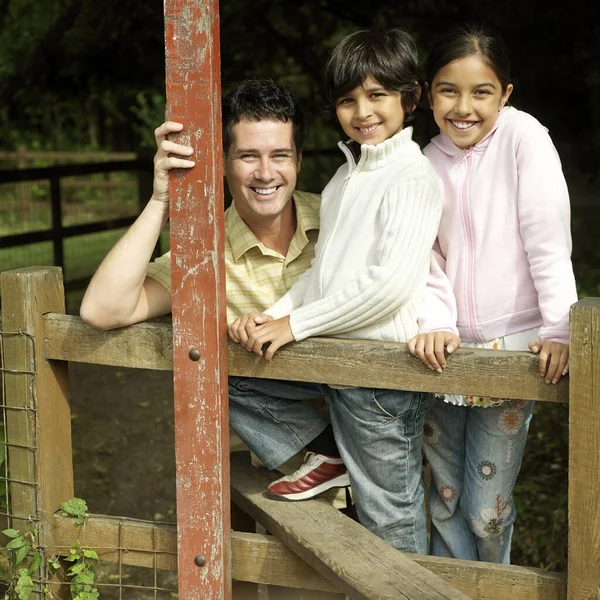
[466,97]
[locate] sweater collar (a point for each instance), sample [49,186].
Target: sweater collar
[376,157]
[445,144]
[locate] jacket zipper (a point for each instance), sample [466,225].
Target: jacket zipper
[470,247]
[327,242]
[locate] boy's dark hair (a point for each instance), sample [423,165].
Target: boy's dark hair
[389,56]
[470,40]
[262,100]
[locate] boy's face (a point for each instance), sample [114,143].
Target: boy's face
[261,167]
[370,114]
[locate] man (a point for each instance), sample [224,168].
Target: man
[270,232]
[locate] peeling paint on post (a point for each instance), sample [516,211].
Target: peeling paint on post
[199,313]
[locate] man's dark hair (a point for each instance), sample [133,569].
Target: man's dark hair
[389,56]
[262,100]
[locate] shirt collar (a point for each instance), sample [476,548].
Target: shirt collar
[243,239]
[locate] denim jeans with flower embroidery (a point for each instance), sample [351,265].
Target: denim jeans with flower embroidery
[380,435]
[475,456]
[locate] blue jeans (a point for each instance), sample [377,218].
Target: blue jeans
[269,416]
[379,434]
[475,456]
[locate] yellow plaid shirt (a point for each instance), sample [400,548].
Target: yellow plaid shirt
[256,275]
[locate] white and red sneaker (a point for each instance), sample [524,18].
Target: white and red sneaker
[317,474]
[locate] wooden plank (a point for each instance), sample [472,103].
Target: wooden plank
[357,562]
[26,295]
[489,581]
[193,81]
[46,428]
[389,365]
[20,239]
[333,361]
[584,452]
[141,346]
[119,539]
[74,170]
[263,559]
[29,155]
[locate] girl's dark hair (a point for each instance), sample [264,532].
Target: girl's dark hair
[471,40]
[262,100]
[387,55]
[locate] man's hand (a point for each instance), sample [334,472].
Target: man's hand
[276,332]
[429,347]
[243,326]
[554,359]
[164,161]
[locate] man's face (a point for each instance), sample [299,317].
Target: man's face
[261,167]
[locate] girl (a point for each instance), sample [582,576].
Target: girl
[379,219]
[504,244]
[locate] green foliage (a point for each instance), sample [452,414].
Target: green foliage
[150,112]
[82,572]
[24,586]
[19,544]
[76,507]
[20,583]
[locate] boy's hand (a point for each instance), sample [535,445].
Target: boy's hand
[164,161]
[429,347]
[243,326]
[554,359]
[276,332]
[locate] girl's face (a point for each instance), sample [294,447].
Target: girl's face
[466,97]
[370,114]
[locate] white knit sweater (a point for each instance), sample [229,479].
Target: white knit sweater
[379,219]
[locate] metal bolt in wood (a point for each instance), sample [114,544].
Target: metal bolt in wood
[199,560]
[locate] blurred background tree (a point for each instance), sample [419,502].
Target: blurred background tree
[83,72]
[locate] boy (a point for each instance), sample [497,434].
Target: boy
[379,219]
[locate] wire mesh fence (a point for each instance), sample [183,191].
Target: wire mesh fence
[19,513]
[137,559]
[85,558]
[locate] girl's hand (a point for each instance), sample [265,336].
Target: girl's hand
[243,326]
[276,332]
[554,359]
[429,347]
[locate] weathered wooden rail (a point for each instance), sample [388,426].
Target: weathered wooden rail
[347,558]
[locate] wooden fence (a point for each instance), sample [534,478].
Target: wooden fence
[55,175]
[348,558]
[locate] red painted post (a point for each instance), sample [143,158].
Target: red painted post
[199,313]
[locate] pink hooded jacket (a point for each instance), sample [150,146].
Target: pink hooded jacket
[504,240]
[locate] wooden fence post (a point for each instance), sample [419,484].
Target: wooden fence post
[583,581]
[38,412]
[24,189]
[57,222]
[199,310]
